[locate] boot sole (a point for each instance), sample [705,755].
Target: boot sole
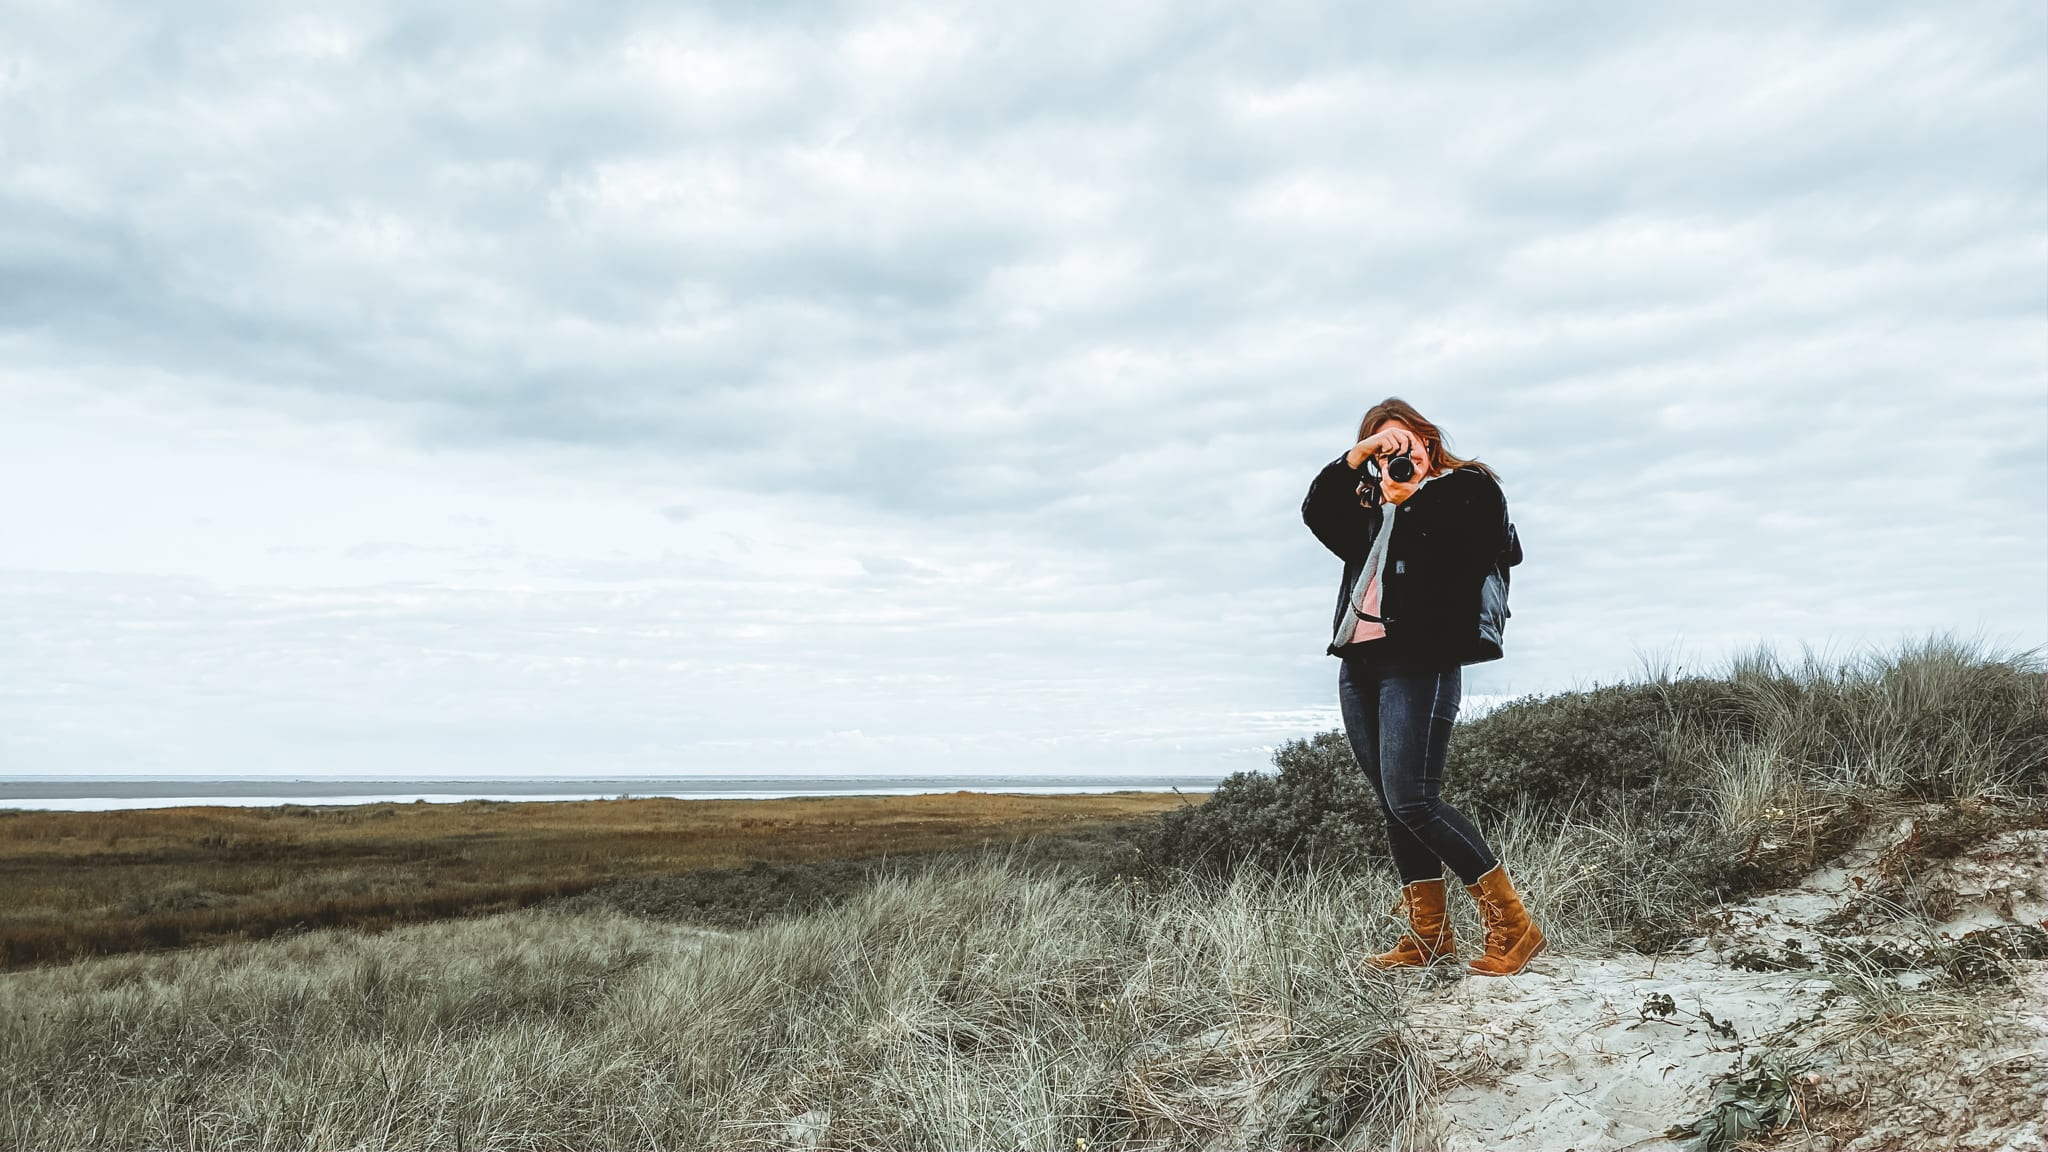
[1376,967]
[1518,970]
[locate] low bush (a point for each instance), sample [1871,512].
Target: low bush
[1582,754]
[1317,807]
[1581,751]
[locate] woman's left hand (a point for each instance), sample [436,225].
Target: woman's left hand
[1395,492]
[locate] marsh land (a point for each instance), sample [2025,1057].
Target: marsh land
[95,883]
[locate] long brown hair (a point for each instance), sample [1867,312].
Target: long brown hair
[1440,458]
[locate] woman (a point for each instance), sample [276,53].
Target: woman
[1414,606]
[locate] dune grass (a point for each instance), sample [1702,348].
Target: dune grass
[977,1007]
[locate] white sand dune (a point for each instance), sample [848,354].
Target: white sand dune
[1593,1054]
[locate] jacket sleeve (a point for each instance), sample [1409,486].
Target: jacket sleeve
[1333,513]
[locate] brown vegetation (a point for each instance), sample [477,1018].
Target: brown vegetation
[82,883]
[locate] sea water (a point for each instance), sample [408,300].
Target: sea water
[106,793]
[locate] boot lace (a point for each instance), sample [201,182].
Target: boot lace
[1499,937]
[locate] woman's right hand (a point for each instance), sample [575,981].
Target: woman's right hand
[1388,441]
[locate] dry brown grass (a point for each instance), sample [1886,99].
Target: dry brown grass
[83,883]
[976,1006]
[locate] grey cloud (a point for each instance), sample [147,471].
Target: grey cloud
[1097,290]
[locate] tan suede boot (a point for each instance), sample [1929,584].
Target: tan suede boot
[1512,939]
[1428,938]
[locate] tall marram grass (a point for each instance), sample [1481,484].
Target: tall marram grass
[1938,719]
[978,1008]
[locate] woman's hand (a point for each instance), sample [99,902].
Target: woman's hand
[1395,492]
[1389,442]
[1393,440]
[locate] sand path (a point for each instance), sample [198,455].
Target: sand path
[1593,1054]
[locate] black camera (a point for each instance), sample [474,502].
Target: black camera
[1400,469]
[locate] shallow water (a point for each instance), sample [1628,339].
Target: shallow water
[97,794]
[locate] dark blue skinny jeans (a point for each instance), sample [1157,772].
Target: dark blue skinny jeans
[1398,718]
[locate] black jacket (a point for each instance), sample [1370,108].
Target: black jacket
[1444,593]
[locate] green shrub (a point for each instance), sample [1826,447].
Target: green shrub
[1581,751]
[1317,807]
[1665,795]
[1538,756]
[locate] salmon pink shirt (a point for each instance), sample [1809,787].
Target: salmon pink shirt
[1368,601]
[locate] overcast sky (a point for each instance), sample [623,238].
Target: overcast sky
[625,388]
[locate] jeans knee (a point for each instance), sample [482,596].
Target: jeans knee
[1414,811]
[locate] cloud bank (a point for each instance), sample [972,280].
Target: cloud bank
[877,387]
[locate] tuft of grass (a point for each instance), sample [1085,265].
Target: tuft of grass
[973,1006]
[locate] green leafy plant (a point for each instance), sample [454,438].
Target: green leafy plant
[1761,1100]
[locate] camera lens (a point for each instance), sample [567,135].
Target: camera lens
[1401,470]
